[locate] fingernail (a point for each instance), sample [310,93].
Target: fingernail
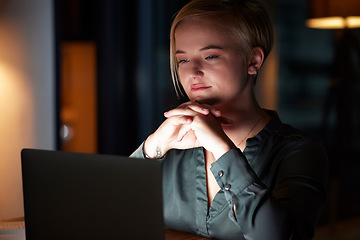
[217,112]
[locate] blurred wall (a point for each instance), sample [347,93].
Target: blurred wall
[27,113]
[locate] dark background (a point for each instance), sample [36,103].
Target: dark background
[317,86]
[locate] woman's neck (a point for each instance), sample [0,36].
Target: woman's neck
[243,121]
[242,110]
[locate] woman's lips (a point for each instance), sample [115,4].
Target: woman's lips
[199,87]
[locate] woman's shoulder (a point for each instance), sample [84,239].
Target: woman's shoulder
[297,149]
[292,138]
[295,141]
[283,130]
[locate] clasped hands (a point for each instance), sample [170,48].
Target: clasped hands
[190,125]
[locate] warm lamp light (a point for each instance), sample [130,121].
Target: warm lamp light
[334,14]
[333,22]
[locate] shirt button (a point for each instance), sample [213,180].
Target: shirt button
[227,187]
[221,173]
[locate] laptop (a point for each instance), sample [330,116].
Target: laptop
[91,196]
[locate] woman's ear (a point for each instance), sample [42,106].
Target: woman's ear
[256,60]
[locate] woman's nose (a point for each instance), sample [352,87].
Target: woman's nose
[196,69]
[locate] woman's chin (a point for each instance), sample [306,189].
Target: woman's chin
[206,100]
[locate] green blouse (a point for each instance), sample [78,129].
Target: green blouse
[277,186]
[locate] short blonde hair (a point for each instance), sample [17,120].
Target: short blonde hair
[247,20]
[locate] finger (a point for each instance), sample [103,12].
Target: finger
[188,141]
[179,112]
[188,111]
[216,112]
[180,120]
[196,107]
[204,109]
[183,131]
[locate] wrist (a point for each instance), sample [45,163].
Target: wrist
[153,149]
[223,148]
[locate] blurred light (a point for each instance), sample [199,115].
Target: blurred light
[334,22]
[333,14]
[66,132]
[353,21]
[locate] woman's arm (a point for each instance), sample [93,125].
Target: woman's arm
[290,210]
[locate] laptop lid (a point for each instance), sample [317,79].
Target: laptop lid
[91,196]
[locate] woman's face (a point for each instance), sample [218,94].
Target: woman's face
[210,65]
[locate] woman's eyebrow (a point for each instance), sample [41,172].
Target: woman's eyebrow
[179,52]
[202,49]
[211,47]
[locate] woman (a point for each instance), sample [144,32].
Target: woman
[232,170]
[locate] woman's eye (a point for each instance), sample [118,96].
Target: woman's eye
[211,57]
[182,61]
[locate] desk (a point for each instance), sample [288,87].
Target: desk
[174,235]
[14,229]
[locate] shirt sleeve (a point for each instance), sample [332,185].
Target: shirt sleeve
[291,208]
[138,153]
